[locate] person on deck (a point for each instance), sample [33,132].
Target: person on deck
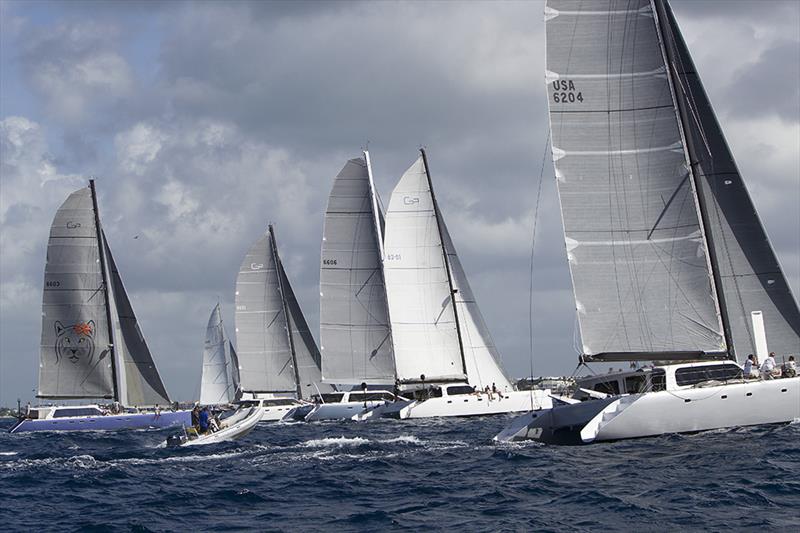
[750,367]
[789,368]
[768,367]
[203,420]
[196,417]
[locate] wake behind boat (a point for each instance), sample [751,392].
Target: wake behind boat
[91,344]
[687,274]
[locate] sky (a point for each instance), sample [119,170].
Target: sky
[202,122]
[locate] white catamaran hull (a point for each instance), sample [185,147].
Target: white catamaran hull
[342,410]
[478,404]
[747,403]
[740,404]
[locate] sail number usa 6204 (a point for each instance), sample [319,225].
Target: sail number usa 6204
[565,92]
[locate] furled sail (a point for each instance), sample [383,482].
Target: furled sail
[355,333]
[635,240]
[75,355]
[217,383]
[424,327]
[748,271]
[265,356]
[484,367]
[138,381]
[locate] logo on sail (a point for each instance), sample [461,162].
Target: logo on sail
[75,342]
[73,225]
[410,200]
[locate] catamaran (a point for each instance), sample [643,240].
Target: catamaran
[92,347]
[279,363]
[669,259]
[355,334]
[443,351]
[219,383]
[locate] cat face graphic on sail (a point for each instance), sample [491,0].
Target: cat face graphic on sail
[75,342]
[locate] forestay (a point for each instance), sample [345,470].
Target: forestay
[750,275]
[75,356]
[354,320]
[635,242]
[420,302]
[265,358]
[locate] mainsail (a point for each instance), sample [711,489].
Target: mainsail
[75,353]
[635,239]
[218,382]
[424,300]
[275,348]
[355,333]
[667,254]
[747,269]
[92,346]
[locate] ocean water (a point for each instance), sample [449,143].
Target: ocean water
[403,475]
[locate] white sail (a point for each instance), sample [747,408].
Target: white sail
[216,385]
[635,240]
[354,319]
[424,325]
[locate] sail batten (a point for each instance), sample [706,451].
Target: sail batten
[633,232]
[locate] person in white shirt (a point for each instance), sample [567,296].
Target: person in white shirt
[768,367]
[789,368]
[750,367]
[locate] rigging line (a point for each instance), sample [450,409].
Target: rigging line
[533,250]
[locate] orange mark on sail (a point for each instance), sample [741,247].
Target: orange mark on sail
[82,329]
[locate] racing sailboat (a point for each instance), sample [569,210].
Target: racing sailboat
[91,346]
[443,351]
[669,259]
[219,383]
[279,363]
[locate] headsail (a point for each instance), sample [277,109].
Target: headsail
[635,239]
[75,355]
[265,357]
[139,383]
[484,366]
[355,333]
[424,327]
[216,385]
[748,271]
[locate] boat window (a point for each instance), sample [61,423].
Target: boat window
[459,389]
[248,403]
[430,392]
[79,411]
[636,384]
[332,397]
[607,387]
[281,401]
[698,374]
[658,380]
[370,396]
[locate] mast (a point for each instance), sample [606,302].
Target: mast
[684,122]
[375,219]
[276,260]
[446,261]
[104,271]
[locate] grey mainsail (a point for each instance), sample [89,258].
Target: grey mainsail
[748,271]
[354,319]
[138,381]
[635,239]
[265,357]
[75,355]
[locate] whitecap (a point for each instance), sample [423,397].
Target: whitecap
[334,442]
